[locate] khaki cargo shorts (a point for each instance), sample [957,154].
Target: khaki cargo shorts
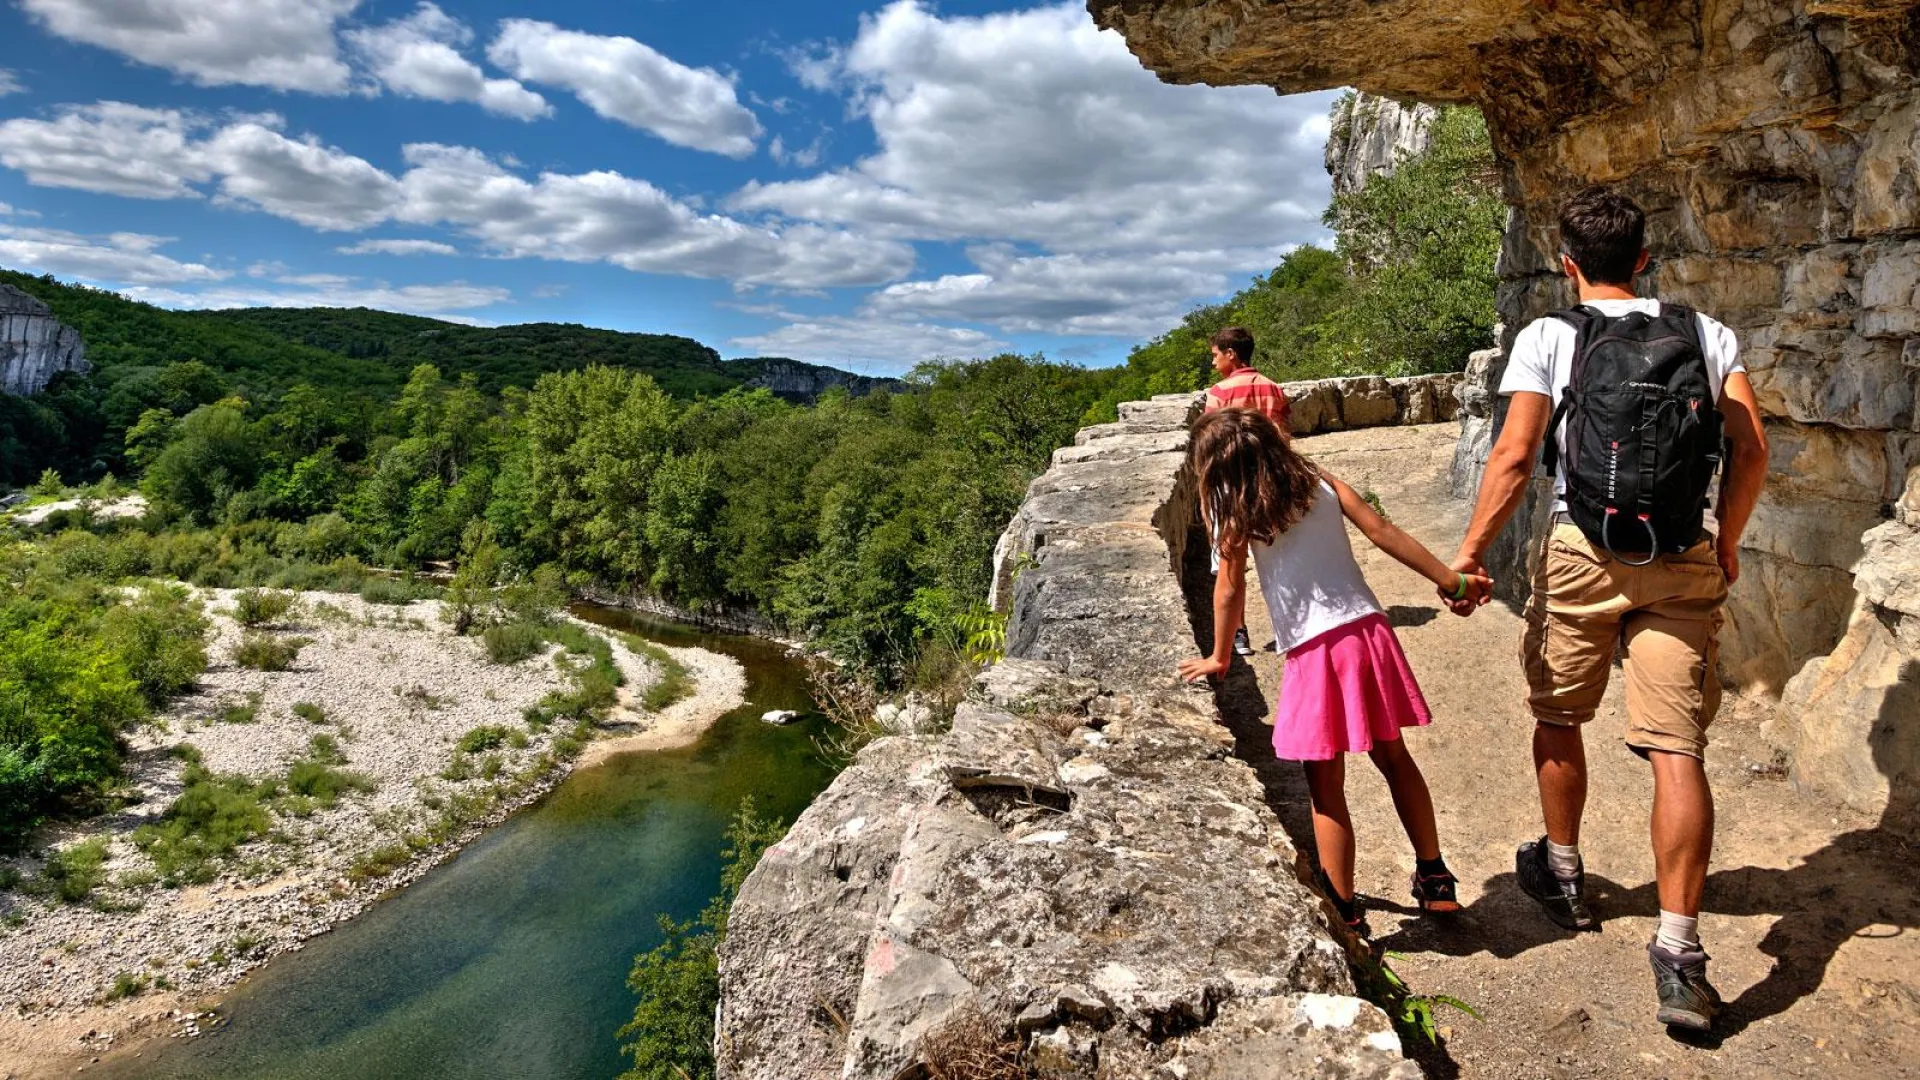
[1586,602]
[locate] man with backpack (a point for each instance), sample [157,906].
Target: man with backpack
[1644,401]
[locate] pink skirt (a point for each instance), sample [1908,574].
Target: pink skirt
[1344,691]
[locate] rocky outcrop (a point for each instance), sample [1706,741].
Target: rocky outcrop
[1372,135]
[795,381]
[1080,857]
[1776,146]
[34,346]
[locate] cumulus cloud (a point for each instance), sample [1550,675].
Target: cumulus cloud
[118,257]
[282,44]
[608,217]
[10,83]
[1123,296]
[1136,199]
[866,343]
[419,56]
[399,247]
[625,80]
[111,147]
[301,180]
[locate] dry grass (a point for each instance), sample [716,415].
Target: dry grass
[971,1047]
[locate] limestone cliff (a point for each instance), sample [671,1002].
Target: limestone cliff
[1081,857]
[34,346]
[796,381]
[1372,135]
[1774,144]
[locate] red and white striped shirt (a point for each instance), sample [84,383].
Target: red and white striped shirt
[1248,389]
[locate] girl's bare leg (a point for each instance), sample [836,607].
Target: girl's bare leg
[1332,827]
[1411,800]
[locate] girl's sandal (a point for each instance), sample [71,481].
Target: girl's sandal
[1349,911]
[1436,893]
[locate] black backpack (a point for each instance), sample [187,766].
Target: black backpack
[1643,431]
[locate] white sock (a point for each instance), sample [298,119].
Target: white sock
[1563,860]
[1678,933]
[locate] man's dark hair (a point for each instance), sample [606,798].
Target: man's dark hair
[1237,340]
[1603,232]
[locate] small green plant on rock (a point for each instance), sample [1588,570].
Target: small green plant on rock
[482,739]
[311,713]
[1413,1014]
[125,985]
[76,870]
[264,652]
[255,608]
[245,713]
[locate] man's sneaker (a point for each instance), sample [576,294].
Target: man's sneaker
[1241,643]
[1687,999]
[1565,902]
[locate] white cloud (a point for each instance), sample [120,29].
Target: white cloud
[625,80]
[323,290]
[1135,295]
[399,247]
[866,343]
[116,258]
[10,83]
[805,158]
[607,217]
[111,147]
[419,56]
[1136,199]
[302,180]
[282,44]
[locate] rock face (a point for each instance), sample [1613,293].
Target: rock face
[1080,858]
[1776,147]
[34,346]
[1372,135]
[796,381]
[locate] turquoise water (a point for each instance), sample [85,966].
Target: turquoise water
[511,959]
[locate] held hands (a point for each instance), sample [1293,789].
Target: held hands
[1201,667]
[1479,588]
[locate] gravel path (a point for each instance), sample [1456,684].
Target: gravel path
[396,692]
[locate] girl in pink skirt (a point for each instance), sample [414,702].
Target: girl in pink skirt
[1346,687]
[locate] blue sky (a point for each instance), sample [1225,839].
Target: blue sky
[866,185]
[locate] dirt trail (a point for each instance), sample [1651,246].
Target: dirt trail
[1813,917]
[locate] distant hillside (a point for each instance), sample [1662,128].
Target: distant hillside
[370,353]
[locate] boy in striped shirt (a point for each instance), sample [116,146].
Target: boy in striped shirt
[1241,387]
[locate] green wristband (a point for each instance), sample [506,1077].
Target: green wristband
[1460,590]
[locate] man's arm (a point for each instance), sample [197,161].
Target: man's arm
[1745,472]
[1509,468]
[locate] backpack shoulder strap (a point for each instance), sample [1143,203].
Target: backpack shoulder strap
[1583,319]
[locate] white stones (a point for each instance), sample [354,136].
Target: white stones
[779,716]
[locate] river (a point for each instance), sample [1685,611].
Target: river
[511,959]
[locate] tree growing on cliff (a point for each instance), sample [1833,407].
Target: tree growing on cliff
[671,1034]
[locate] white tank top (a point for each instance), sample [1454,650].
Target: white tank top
[1309,576]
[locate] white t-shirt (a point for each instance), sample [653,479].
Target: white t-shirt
[1542,363]
[1309,576]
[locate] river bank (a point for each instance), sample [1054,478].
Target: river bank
[432,735]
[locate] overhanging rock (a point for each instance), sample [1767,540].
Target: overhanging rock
[1776,147]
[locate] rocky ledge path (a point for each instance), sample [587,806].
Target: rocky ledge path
[1813,919]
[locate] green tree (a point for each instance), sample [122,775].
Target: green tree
[678,981]
[595,438]
[211,456]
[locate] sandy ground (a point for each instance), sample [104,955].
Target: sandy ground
[398,690]
[1812,919]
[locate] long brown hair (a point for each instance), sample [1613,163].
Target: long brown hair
[1252,484]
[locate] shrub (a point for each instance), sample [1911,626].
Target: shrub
[264,652]
[161,637]
[673,682]
[324,784]
[396,592]
[261,607]
[239,714]
[125,985]
[482,739]
[212,817]
[311,713]
[76,870]
[380,862]
[459,768]
[513,642]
